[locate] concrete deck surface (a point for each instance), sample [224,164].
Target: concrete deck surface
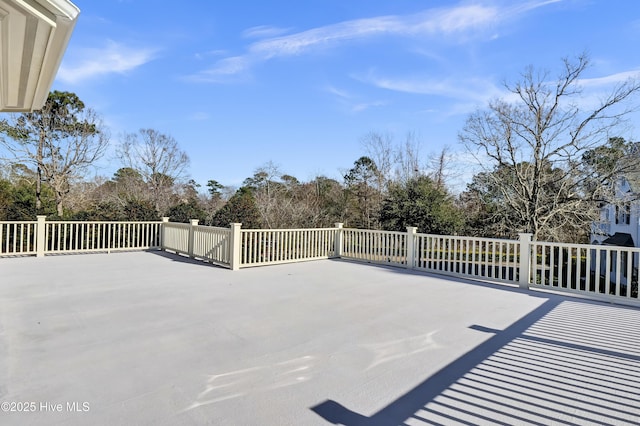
[152,338]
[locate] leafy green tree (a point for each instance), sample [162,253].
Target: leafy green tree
[241,208]
[128,184]
[139,210]
[361,182]
[331,200]
[184,212]
[6,199]
[214,188]
[422,203]
[22,197]
[215,198]
[103,211]
[129,210]
[260,179]
[486,212]
[604,164]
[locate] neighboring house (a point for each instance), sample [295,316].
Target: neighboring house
[619,222]
[619,225]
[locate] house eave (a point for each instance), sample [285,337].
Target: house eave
[34,35]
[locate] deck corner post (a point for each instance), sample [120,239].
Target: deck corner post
[338,242]
[41,241]
[163,231]
[192,231]
[411,246]
[524,264]
[236,246]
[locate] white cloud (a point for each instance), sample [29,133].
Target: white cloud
[596,90]
[350,102]
[302,42]
[609,80]
[458,22]
[338,92]
[224,70]
[87,63]
[366,105]
[263,31]
[472,93]
[204,55]
[476,90]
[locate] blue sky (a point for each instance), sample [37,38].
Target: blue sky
[299,83]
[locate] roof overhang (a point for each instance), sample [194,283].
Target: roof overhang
[619,239]
[33,37]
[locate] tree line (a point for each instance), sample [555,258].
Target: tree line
[549,161]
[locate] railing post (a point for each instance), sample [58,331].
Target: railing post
[524,265]
[411,249]
[163,230]
[192,229]
[41,241]
[337,243]
[236,246]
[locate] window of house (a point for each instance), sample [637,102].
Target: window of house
[623,214]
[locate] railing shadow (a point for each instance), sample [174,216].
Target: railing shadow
[569,361]
[176,257]
[471,280]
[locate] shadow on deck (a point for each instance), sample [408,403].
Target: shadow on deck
[566,362]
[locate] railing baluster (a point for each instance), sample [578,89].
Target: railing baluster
[569,268]
[607,285]
[14,239]
[618,274]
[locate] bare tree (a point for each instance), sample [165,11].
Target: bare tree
[440,169]
[407,159]
[533,146]
[158,159]
[267,189]
[381,149]
[395,162]
[61,141]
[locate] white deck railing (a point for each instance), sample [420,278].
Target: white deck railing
[175,237]
[604,272]
[17,238]
[59,237]
[375,246]
[202,242]
[274,246]
[487,258]
[594,271]
[212,244]
[69,237]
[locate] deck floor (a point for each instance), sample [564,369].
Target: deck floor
[154,338]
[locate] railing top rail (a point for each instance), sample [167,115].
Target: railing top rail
[375,231]
[176,224]
[585,246]
[211,228]
[287,229]
[144,222]
[460,237]
[26,222]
